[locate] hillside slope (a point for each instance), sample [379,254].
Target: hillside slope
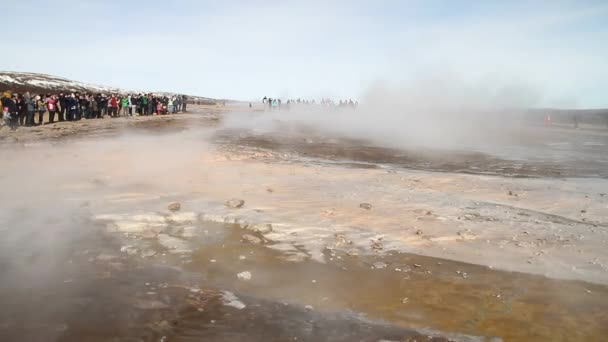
[21,82]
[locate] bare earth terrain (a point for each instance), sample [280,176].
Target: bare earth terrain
[336,238]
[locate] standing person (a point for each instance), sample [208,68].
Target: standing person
[72,104]
[51,106]
[21,108]
[170,105]
[144,104]
[113,106]
[165,105]
[96,111]
[119,101]
[83,105]
[125,105]
[63,107]
[94,105]
[139,103]
[68,107]
[30,105]
[184,103]
[177,103]
[133,104]
[40,108]
[9,110]
[159,107]
[103,105]
[151,104]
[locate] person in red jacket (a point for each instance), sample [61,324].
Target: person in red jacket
[113,106]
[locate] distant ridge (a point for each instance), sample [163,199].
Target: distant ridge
[21,82]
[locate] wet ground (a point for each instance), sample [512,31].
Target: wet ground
[546,152]
[90,252]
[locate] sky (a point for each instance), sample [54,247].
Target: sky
[553,53]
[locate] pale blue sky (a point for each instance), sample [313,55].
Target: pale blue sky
[555,50]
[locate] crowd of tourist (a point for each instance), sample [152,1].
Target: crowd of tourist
[326,102]
[29,109]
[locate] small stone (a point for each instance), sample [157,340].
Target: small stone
[270,190]
[510,193]
[235,203]
[365,206]
[246,276]
[129,250]
[212,261]
[379,265]
[251,239]
[242,257]
[174,206]
[583,211]
[404,300]
[263,228]
[309,307]
[417,265]
[419,232]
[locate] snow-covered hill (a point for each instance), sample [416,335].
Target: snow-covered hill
[41,84]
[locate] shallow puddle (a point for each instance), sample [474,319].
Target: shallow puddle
[414,291]
[103,294]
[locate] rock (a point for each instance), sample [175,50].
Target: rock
[173,244]
[263,228]
[251,239]
[245,276]
[230,299]
[404,300]
[379,265]
[419,232]
[510,193]
[365,206]
[174,206]
[270,190]
[235,203]
[130,250]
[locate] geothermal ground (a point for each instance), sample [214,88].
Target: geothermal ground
[185,228]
